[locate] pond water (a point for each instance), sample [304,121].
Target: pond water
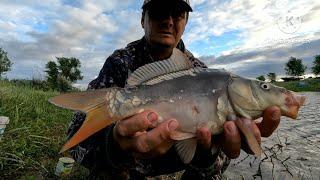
[292,152]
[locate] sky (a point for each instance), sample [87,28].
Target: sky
[247,37]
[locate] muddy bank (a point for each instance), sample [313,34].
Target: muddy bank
[292,152]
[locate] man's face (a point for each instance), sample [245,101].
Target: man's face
[164,24]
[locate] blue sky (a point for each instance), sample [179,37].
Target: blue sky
[247,37]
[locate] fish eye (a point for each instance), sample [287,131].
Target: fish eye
[265,86]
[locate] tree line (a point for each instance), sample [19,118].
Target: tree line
[60,74]
[295,68]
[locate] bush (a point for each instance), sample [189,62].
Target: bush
[34,83]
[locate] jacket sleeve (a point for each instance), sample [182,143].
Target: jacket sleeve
[207,165]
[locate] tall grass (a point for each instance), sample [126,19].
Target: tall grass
[31,142]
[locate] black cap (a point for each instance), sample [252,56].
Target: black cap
[186,2]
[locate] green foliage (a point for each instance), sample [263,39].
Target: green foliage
[310,85]
[63,85]
[34,83]
[36,132]
[295,67]
[272,77]
[316,65]
[261,78]
[70,69]
[5,63]
[60,75]
[52,74]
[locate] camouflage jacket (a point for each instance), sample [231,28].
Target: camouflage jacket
[103,157]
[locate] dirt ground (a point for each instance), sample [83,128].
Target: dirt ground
[292,152]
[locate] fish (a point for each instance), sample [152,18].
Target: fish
[195,96]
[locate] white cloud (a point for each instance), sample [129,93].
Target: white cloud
[261,62]
[89,31]
[256,20]
[34,31]
[197,2]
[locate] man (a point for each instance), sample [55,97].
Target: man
[134,148]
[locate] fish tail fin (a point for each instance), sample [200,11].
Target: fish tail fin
[98,108]
[97,118]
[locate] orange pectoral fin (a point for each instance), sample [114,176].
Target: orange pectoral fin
[97,118]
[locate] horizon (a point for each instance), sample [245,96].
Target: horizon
[248,38]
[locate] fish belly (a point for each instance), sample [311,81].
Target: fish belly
[192,100]
[192,113]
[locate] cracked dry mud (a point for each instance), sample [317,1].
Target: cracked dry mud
[292,152]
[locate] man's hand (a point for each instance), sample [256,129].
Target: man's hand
[232,141]
[204,137]
[132,135]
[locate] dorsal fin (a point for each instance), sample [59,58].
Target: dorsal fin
[177,62]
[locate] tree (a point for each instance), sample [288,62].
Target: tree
[316,65]
[294,67]
[60,75]
[70,68]
[5,63]
[261,78]
[272,77]
[63,84]
[52,74]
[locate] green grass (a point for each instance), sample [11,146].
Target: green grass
[31,142]
[311,85]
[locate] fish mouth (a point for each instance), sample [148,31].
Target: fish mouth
[293,102]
